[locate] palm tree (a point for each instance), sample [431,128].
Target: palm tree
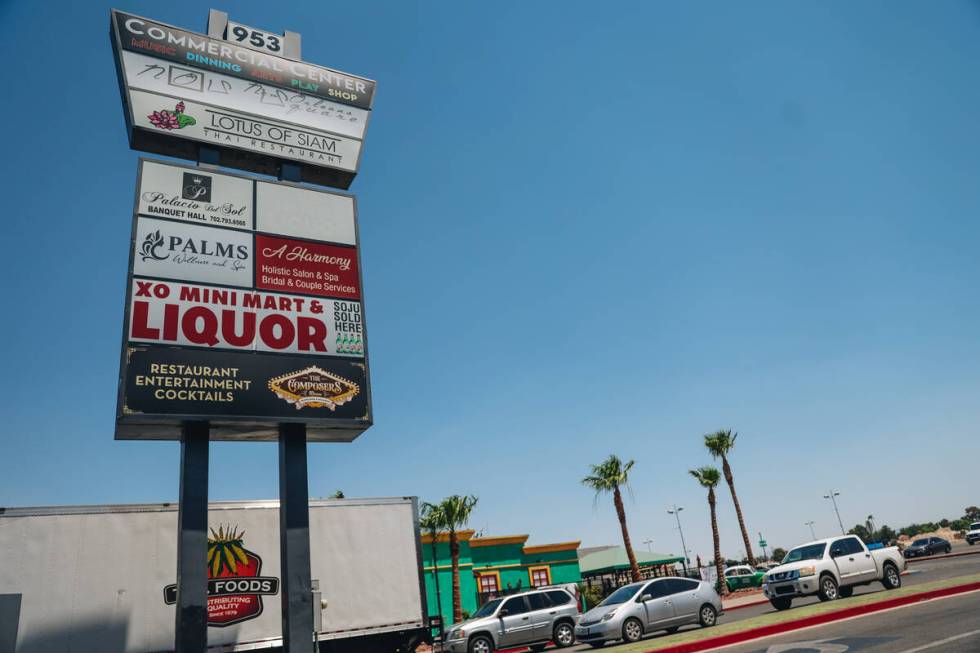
[709,477]
[455,511]
[720,444]
[432,522]
[608,476]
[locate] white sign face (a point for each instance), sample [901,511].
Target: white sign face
[177,250]
[228,318]
[195,195]
[183,117]
[159,76]
[302,213]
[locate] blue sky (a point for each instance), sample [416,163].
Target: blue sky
[586,229]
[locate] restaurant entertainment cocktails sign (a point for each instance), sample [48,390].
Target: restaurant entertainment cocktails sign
[243,309]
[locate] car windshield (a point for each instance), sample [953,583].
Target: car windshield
[920,542]
[487,609]
[622,595]
[975,527]
[808,552]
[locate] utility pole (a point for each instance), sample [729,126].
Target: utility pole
[649,544]
[833,497]
[810,524]
[676,512]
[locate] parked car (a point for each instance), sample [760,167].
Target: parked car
[530,619]
[927,546]
[648,606]
[743,577]
[831,569]
[973,535]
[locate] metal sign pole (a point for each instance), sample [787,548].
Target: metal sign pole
[191,629]
[294,541]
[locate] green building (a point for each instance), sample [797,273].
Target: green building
[492,566]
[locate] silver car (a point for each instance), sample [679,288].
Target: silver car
[531,619]
[645,607]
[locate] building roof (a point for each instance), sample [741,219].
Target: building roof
[613,558]
[551,548]
[463,536]
[494,540]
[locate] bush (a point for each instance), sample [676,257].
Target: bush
[592,595]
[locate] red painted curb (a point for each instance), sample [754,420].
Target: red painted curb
[744,605]
[816,620]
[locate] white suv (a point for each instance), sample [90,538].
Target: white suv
[973,535]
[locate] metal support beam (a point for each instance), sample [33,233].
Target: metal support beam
[191,630]
[294,541]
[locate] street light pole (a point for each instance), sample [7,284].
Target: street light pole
[833,497]
[648,543]
[810,524]
[676,512]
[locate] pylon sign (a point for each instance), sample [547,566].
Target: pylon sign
[243,308]
[182,90]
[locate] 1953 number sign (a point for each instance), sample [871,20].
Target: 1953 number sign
[254,38]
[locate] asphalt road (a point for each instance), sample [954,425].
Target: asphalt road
[947,625]
[920,572]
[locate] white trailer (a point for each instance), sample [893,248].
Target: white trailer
[100,578]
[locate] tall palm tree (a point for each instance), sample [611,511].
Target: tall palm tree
[608,476]
[720,444]
[432,522]
[456,512]
[709,477]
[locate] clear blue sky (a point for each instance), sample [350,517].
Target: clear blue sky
[587,228]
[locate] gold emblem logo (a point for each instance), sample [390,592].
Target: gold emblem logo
[315,388]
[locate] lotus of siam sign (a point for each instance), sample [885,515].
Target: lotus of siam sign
[175,119]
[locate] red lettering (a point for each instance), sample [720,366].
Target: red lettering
[253,301]
[312,333]
[160,291]
[284,304]
[143,289]
[188,294]
[228,328]
[267,331]
[204,336]
[170,314]
[139,327]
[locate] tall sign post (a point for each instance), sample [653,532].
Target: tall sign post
[244,315]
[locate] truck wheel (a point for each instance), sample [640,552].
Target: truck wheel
[828,589]
[481,644]
[781,602]
[846,592]
[563,635]
[891,579]
[632,630]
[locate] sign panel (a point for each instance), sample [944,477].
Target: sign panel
[292,211]
[177,250]
[307,266]
[150,74]
[258,110]
[236,326]
[230,318]
[162,41]
[173,381]
[188,119]
[255,39]
[195,195]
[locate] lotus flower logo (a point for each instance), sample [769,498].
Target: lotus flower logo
[175,119]
[148,250]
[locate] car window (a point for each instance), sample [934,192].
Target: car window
[656,589]
[559,597]
[975,527]
[920,542]
[808,552]
[854,546]
[622,595]
[678,585]
[538,601]
[487,608]
[731,572]
[515,605]
[846,546]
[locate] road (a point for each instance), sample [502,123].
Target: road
[920,572]
[947,625]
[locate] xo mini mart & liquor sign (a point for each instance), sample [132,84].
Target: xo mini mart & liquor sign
[244,308]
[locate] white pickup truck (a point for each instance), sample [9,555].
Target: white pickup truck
[831,569]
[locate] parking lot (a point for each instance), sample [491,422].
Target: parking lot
[919,572]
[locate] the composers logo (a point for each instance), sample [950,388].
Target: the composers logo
[235,583]
[314,388]
[196,187]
